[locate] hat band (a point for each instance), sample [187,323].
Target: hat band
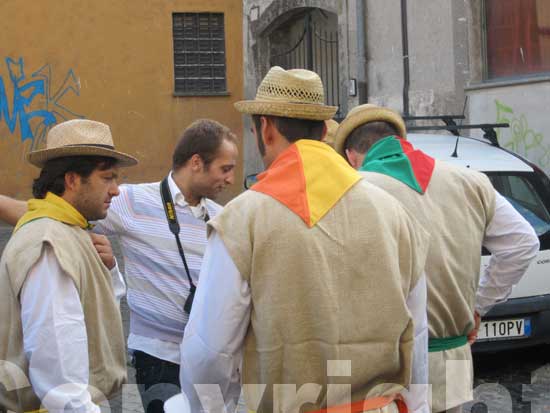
[92,144]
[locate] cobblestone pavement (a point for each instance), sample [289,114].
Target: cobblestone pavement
[507,382]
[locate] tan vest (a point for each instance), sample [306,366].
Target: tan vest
[336,291]
[456,209]
[78,258]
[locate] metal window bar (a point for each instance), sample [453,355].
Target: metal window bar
[317,50]
[199,53]
[329,71]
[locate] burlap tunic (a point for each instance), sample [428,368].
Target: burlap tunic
[335,291]
[78,258]
[456,209]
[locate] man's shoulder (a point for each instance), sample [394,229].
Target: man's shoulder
[130,193]
[141,187]
[248,199]
[38,231]
[213,207]
[369,191]
[44,226]
[386,182]
[247,204]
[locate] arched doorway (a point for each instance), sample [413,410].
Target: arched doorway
[308,38]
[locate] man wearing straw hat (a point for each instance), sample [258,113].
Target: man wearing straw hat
[160,277]
[61,339]
[318,307]
[462,212]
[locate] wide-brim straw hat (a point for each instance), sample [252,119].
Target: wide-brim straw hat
[332,127]
[79,137]
[366,113]
[295,93]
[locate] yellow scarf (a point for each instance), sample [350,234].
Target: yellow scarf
[309,178]
[53,207]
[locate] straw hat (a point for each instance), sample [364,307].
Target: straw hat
[366,113]
[332,126]
[79,137]
[295,93]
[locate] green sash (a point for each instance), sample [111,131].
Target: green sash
[447,343]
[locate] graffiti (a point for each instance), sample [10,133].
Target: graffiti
[25,93]
[523,139]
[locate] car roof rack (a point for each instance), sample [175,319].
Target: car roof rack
[451,126]
[449,120]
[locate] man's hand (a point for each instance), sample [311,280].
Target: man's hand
[472,335]
[104,249]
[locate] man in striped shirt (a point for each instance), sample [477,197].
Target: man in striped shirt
[204,161]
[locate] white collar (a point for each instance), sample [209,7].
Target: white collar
[179,199]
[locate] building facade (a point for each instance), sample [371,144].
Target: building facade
[147,68]
[486,59]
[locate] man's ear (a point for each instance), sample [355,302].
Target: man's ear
[196,163]
[267,130]
[72,180]
[324,134]
[353,158]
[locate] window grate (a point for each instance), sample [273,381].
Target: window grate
[199,53]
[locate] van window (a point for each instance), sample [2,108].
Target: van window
[520,191]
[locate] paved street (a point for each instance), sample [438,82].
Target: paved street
[514,381]
[520,378]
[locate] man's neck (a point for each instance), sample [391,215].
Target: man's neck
[181,179]
[70,199]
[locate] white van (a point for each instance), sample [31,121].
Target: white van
[524,319]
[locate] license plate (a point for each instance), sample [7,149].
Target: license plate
[497,329]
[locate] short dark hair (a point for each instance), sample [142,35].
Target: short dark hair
[294,129]
[366,135]
[203,137]
[52,175]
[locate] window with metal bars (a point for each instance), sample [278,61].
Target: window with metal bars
[199,54]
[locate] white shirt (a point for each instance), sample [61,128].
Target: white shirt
[211,350]
[513,244]
[163,349]
[54,335]
[199,211]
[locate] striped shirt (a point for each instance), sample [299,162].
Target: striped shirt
[156,279]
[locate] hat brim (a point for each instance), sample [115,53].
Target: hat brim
[40,157]
[349,124]
[286,110]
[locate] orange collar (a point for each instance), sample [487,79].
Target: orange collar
[309,178]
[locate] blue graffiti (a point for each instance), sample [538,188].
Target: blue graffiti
[25,91]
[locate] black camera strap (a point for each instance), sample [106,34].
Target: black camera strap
[175,229]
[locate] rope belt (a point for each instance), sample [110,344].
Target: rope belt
[447,343]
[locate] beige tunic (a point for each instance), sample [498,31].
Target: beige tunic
[336,291]
[78,258]
[456,209]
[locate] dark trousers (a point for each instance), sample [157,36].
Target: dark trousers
[157,380]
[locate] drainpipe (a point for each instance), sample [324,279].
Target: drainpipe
[406,69]
[309,42]
[361,52]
